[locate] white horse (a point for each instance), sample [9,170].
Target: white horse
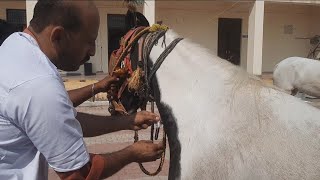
[297,74]
[225,124]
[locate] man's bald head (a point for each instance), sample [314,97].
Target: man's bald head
[66,31]
[66,13]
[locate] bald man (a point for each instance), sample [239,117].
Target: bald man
[38,124]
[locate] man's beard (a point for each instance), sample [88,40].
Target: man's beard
[86,59]
[67,63]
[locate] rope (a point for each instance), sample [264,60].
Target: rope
[155,32]
[164,141]
[143,169]
[153,28]
[162,57]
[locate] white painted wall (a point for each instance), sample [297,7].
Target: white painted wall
[100,60]
[255,39]
[278,45]
[10,5]
[198,20]
[149,11]
[30,8]
[315,20]
[297,1]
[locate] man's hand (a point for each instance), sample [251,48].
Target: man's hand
[105,84]
[146,151]
[142,120]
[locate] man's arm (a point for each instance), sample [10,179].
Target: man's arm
[93,125]
[78,96]
[142,151]
[105,165]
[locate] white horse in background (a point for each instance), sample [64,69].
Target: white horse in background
[225,124]
[297,74]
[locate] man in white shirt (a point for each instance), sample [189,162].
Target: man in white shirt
[38,124]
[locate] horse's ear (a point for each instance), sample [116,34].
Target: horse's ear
[130,20]
[142,20]
[135,19]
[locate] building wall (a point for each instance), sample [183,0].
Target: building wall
[10,5]
[198,20]
[279,45]
[100,60]
[315,20]
[315,25]
[296,1]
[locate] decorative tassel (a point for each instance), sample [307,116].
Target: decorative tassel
[158,27]
[135,80]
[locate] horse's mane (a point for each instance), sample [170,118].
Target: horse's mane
[235,77]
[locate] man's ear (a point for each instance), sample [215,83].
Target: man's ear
[57,35]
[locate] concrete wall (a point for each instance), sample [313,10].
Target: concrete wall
[279,45]
[198,20]
[315,20]
[10,5]
[100,60]
[297,1]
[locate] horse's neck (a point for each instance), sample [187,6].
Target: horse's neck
[188,67]
[186,72]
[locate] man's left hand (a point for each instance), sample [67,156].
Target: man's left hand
[105,84]
[143,119]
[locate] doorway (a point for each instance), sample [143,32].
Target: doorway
[116,29]
[229,39]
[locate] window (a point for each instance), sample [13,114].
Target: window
[116,21]
[17,17]
[116,29]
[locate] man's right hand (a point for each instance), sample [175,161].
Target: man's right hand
[146,151]
[106,165]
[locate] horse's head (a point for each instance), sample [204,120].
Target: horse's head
[130,101]
[135,23]
[131,61]
[135,19]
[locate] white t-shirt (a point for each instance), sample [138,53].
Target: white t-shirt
[37,119]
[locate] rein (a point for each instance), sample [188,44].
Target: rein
[164,141]
[149,37]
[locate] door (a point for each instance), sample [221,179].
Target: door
[116,29]
[229,39]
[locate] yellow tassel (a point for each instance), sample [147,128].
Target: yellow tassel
[135,80]
[157,27]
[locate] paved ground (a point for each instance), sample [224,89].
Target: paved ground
[116,141]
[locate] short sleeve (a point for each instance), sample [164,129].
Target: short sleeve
[42,110]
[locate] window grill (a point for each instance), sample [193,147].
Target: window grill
[16,16]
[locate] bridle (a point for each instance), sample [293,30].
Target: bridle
[140,81]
